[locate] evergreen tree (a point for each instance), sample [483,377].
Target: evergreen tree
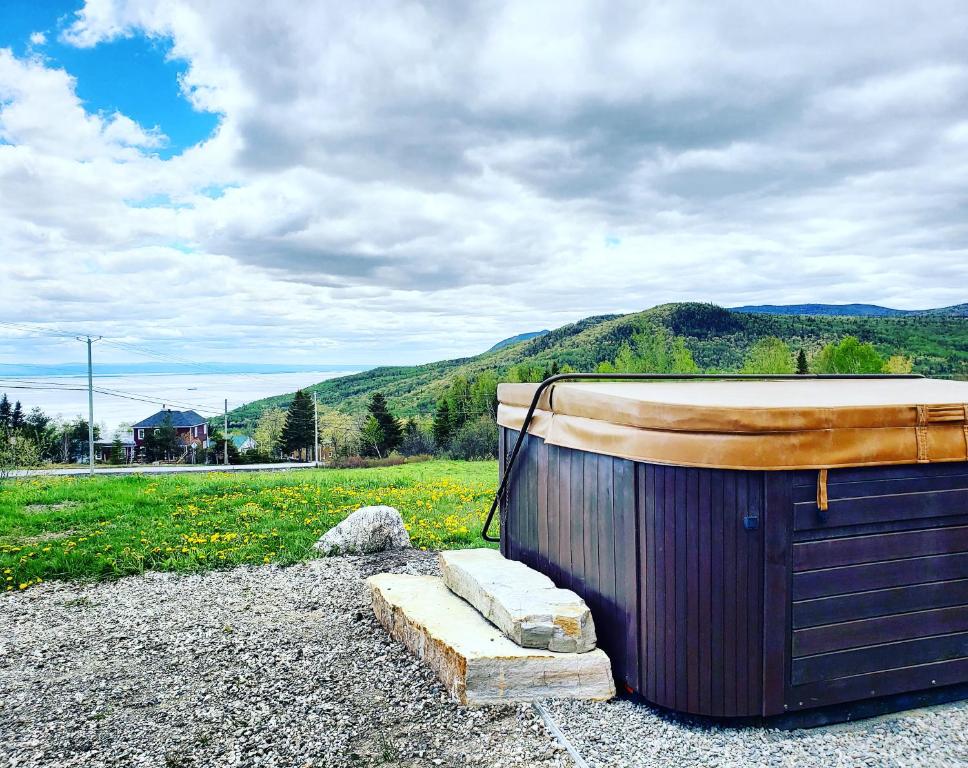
[802,367]
[16,418]
[299,433]
[5,413]
[441,427]
[416,439]
[117,450]
[389,426]
[162,443]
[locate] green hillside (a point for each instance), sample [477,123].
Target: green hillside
[718,339]
[850,310]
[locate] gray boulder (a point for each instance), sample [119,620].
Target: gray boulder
[370,529]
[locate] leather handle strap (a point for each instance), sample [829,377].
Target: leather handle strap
[823,502]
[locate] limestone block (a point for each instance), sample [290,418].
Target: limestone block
[523,603]
[473,659]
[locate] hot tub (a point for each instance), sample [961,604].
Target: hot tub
[752,548]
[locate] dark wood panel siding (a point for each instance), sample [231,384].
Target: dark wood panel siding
[661,556]
[702,589]
[853,550]
[879,585]
[879,602]
[572,516]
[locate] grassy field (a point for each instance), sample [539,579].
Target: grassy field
[105,527]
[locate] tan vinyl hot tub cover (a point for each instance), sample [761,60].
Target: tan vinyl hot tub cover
[774,425]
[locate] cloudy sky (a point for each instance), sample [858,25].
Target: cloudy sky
[309,182]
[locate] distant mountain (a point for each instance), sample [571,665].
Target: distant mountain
[719,340]
[850,310]
[957,310]
[517,339]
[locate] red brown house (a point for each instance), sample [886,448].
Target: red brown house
[192,429]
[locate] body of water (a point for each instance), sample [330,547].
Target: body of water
[122,397]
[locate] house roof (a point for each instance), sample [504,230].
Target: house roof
[126,439]
[241,440]
[178,419]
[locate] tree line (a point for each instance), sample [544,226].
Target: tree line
[33,437]
[463,424]
[659,351]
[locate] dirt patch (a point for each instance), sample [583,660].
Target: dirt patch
[39,509]
[46,536]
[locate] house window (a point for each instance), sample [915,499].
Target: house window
[141,434]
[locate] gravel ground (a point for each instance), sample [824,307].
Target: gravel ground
[622,733]
[254,666]
[287,667]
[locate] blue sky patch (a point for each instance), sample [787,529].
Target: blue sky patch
[129,75]
[215,191]
[157,200]
[180,246]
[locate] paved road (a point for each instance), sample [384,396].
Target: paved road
[164,470]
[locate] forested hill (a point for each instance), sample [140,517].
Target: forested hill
[852,310]
[719,340]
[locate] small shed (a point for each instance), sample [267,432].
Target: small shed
[244,443]
[752,548]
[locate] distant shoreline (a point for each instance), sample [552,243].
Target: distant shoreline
[125,398]
[74,370]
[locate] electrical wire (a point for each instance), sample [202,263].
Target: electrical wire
[111,393]
[58,387]
[41,330]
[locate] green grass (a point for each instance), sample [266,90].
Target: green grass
[106,527]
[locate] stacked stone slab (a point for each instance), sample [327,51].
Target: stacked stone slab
[523,603]
[476,662]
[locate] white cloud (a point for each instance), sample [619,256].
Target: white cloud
[38,38]
[406,180]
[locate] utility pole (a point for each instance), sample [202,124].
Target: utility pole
[90,400]
[225,434]
[315,431]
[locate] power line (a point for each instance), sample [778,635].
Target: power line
[40,330]
[110,393]
[15,383]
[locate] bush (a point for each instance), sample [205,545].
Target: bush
[17,453]
[256,456]
[417,439]
[364,462]
[477,439]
